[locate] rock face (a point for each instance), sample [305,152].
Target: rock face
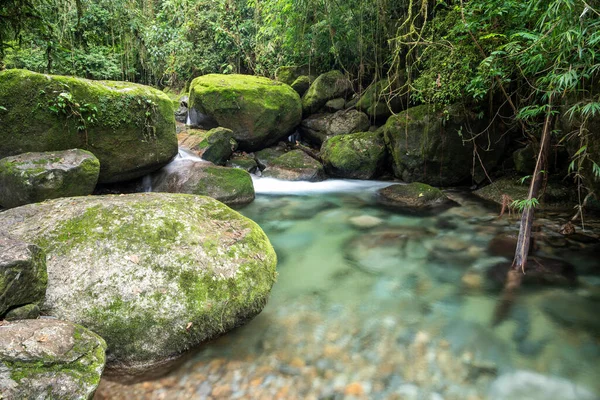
[23,275]
[319,127]
[414,196]
[34,177]
[45,358]
[258,110]
[295,165]
[326,87]
[427,146]
[231,186]
[155,274]
[217,146]
[132,127]
[356,156]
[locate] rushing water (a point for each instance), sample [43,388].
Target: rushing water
[372,303]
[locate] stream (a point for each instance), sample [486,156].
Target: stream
[374,303]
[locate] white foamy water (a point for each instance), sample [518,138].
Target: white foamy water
[299,188]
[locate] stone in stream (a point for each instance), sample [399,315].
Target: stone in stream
[572,310]
[295,165]
[129,127]
[327,86]
[354,156]
[266,156]
[531,385]
[155,274]
[23,276]
[34,177]
[414,197]
[49,359]
[319,127]
[232,186]
[258,110]
[243,161]
[217,146]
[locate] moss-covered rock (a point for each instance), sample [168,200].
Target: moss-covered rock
[381,99]
[217,146]
[258,110]
[288,73]
[435,146]
[243,161]
[319,127]
[295,165]
[357,156]
[49,359]
[327,86]
[524,160]
[28,311]
[266,156]
[23,276]
[301,84]
[414,196]
[129,127]
[232,186]
[334,105]
[33,177]
[155,274]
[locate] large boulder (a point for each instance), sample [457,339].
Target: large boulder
[155,274]
[289,73]
[295,165]
[23,276]
[356,156]
[258,110]
[49,359]
[129,127]
[414,196]
[34,177]
[232,186]
[319,127]
[327,86]
[436,146]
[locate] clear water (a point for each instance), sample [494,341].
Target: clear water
[373,303]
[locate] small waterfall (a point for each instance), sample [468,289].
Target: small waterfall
[186,154]
[192,117]
[147,183]
[277,186]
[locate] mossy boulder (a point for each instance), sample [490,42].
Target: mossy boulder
[356,156]
[335,105]
[327,86]
[34,177]
[381,99]
[49,359]
[243,161]
[258,110]
[301,84]
[288,73]
[23,276]
[266,156]
[436,147]
[155,274]
[28,311]
[524,160]
[217,146]
[129,127]
[319,127]
[416,196]
[295,165]
[232,186]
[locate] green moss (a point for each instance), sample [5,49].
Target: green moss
[358,155]
[326,87]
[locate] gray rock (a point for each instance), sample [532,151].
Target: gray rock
[295,165]
[327,86]
[245,162]
[317,128]
[33,177]
[23,275]
[301,84]
[334,105]
[155,274]
[29,311]
[42,359]
[529,385]
[414,197]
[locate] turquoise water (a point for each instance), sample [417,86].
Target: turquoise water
[374,303]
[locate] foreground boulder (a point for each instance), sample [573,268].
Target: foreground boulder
[155,274]
[320,127]
[23,275]
[47,358]
[295,165]
[129,127]
[327,86]
[34,177]
[427,145]
[356,156]
[258,110]
[414,197]
[232,186]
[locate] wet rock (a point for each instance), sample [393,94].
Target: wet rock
[155,274]
[538,271]
[354,156]
[414,197]
[531,385]
[365,221]
[181,112]
[266,156]
[217,146]
[319,127]
[49,359]
[23,276]
[34,177]
[295,165]
[243,161]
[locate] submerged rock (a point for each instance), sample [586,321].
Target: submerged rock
[319,127]
[129,127]
[414,197]
[538,271]
[327,86]
[23,276]
[155,274]
[46,358]
[534,386]
[355,156]
[295,165]
[232,186]
[34,177]
[572,310]
[258,110]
